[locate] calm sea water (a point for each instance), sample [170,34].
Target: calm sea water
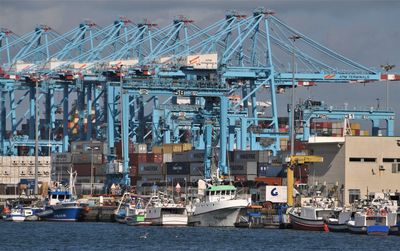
[113,236]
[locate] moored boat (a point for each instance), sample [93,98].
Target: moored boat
[163,211]
[338,223]
[312,216]
[219,206]
[61,204]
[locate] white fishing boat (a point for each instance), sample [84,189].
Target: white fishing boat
[338,223]
[379,218]
[16,215]
[217,206]
[312,215]
[163,211]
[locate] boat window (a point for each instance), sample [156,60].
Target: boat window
[61,197]
[54,196]
[67,197]
[223,192]
[369,159]
[355,159]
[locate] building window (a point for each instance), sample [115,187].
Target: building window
[389,160]
[354,194]
[396,168]
[352,159]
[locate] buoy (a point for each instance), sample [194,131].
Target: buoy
[326,229]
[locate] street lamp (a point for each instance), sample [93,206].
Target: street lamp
[290,174]
[292,131]
[387,67]
[91,148]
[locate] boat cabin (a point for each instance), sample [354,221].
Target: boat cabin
[220,193]
[56,197]
[312,213]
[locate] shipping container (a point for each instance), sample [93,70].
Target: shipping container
[174,179]
[149,169]
[243,168]
[151,178]
[157,149]
[87,158]
[96,147]
[178,168]
[137,158]
[181,157]
[276,181]
[82,169]
[61,158]
[154,158]
[197,169]
[167,157]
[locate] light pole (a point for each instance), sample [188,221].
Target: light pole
[290,173]
[387,67]
[35,189]
[91,148]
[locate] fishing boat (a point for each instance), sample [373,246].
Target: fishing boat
[163,211]
[312,215]
[16,215]
[378,217]
[218,205]
[338,222]
[130,210]
[61,204]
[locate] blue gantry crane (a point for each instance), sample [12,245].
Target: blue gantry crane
[128,80]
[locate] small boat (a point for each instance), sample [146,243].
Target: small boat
[338,223]
[252,218]
[16,215]
[131,210]
[312,216]
[163,211]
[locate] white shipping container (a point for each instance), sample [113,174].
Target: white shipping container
[54,64]
[126,62]
[140,148]
[202,61]
[23,66]
[81,66]
[6,160]
[167,157]
[274,194]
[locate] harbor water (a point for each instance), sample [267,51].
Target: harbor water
[112,236]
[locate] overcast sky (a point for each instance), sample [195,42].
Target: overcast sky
[365,31]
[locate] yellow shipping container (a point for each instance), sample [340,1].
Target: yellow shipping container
[157,149]
[186,147]
[177,148]
[355,126]
[167,148]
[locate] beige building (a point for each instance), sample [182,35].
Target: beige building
[355,166]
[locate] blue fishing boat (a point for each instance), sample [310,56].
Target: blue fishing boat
[61,204]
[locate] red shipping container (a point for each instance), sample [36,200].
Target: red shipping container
[155,158]
[276,181]
[82,169]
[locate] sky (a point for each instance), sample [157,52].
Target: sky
[365,31]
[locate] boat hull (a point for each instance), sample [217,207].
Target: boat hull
[218,218]
[357,229]
[170,220]
[378,230]
[306,224]
[63,214]
[337,227]
[16,218]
